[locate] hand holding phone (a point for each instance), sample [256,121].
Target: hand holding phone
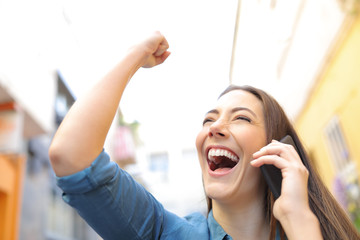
[272,174]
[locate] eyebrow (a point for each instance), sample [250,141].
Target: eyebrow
[236,109]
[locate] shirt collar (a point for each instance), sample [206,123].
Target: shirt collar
[216,231]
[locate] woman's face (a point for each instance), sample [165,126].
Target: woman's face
[231,133]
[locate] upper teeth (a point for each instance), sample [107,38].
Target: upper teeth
[221,152]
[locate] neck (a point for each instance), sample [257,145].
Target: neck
[244,220]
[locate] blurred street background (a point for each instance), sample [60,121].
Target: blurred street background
[305,53]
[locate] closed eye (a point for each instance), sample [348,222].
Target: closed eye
[206,120]
[243,118]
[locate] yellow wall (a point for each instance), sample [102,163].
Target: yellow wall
[11,176]
[336,93]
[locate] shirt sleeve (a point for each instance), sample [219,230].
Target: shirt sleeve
[112,202]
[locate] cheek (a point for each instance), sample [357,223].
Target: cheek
[251,140]
[254,180]
[254,144]
[200,139]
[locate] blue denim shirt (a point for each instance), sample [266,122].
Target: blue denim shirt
[117,207]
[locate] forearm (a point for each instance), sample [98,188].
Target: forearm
[302,225]
[81,135]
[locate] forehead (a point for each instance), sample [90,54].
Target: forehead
[240,98]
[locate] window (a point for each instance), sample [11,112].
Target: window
[337,146]
[346,181]
[159,162]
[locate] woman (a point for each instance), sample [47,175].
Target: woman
[303,194]
[236,139]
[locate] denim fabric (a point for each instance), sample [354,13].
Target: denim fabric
[117,207]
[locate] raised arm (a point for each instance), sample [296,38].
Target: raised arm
[81,135]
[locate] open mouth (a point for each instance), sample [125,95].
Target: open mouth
[221,159]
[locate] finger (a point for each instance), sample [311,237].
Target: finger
[161,49]
[163,57]
[157,60]
[271,160]
[156,43]
[277,148]
[268,149]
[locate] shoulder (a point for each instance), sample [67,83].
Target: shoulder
[192,226]
[196,218]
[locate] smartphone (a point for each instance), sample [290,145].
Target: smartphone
[272,174]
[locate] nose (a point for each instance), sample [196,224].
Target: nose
[218,129]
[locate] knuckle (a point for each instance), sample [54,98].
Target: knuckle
[302,170]
[289,147]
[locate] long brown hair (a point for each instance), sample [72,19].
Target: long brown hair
[334,222]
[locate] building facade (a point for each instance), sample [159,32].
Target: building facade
[328,123]
[33,100]
[305,54]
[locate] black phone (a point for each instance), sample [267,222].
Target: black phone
[272,174]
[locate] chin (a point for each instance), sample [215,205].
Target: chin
[218,191]
[245,187]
